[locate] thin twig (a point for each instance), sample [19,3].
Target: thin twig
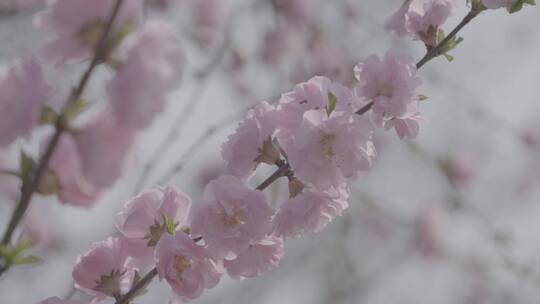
[29,187]
[436,51]
[125,299]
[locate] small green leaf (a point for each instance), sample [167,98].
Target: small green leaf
[73,109]
[22,247]
[27,164]
[170,227]
[516,7]
[48,116]
[332,101]
[26,260]
[422,97]
[448,57]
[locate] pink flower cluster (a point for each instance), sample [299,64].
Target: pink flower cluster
[315,135]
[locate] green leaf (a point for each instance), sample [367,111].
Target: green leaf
[448,57]
[476,6]
[22,247]
[26,260]
[170,227]
[422,97]
[73,109]
[332,101]
[48,116]
[27,164]
[519,5]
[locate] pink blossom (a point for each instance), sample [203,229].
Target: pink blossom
[78,33]
[66,166]
[399,21]
[326,151]
[420,18]
[23,90]
[495,4]
[56,300]
[231,216]
[390,84]
[408,125]
[103,146]
[105,270]
[186,266]
[243,148]
[311,95]
[257,259]
[310,211]
[151,69]
[149,208]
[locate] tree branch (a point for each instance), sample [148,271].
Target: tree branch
[29,187]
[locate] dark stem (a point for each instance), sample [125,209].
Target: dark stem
[125,299]
[280,172]
[365,108]
[29,187]
[436,51]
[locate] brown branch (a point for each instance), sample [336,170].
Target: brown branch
[29,187]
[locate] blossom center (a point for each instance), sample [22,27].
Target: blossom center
[327,142]
[386,91]
[232,220]
[181,263]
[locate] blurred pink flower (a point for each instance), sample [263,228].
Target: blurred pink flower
[105,270]
[66,165]
[231,216]
[209,20]
[186,266]
[531,136]
[390,84]
[326,151]
[243,148]
[78,33]
[148,209]
[151,69]
[428,234]
[276,45]
[257,259]
[310,211]
[23,91]
[461,169]
[103,146]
